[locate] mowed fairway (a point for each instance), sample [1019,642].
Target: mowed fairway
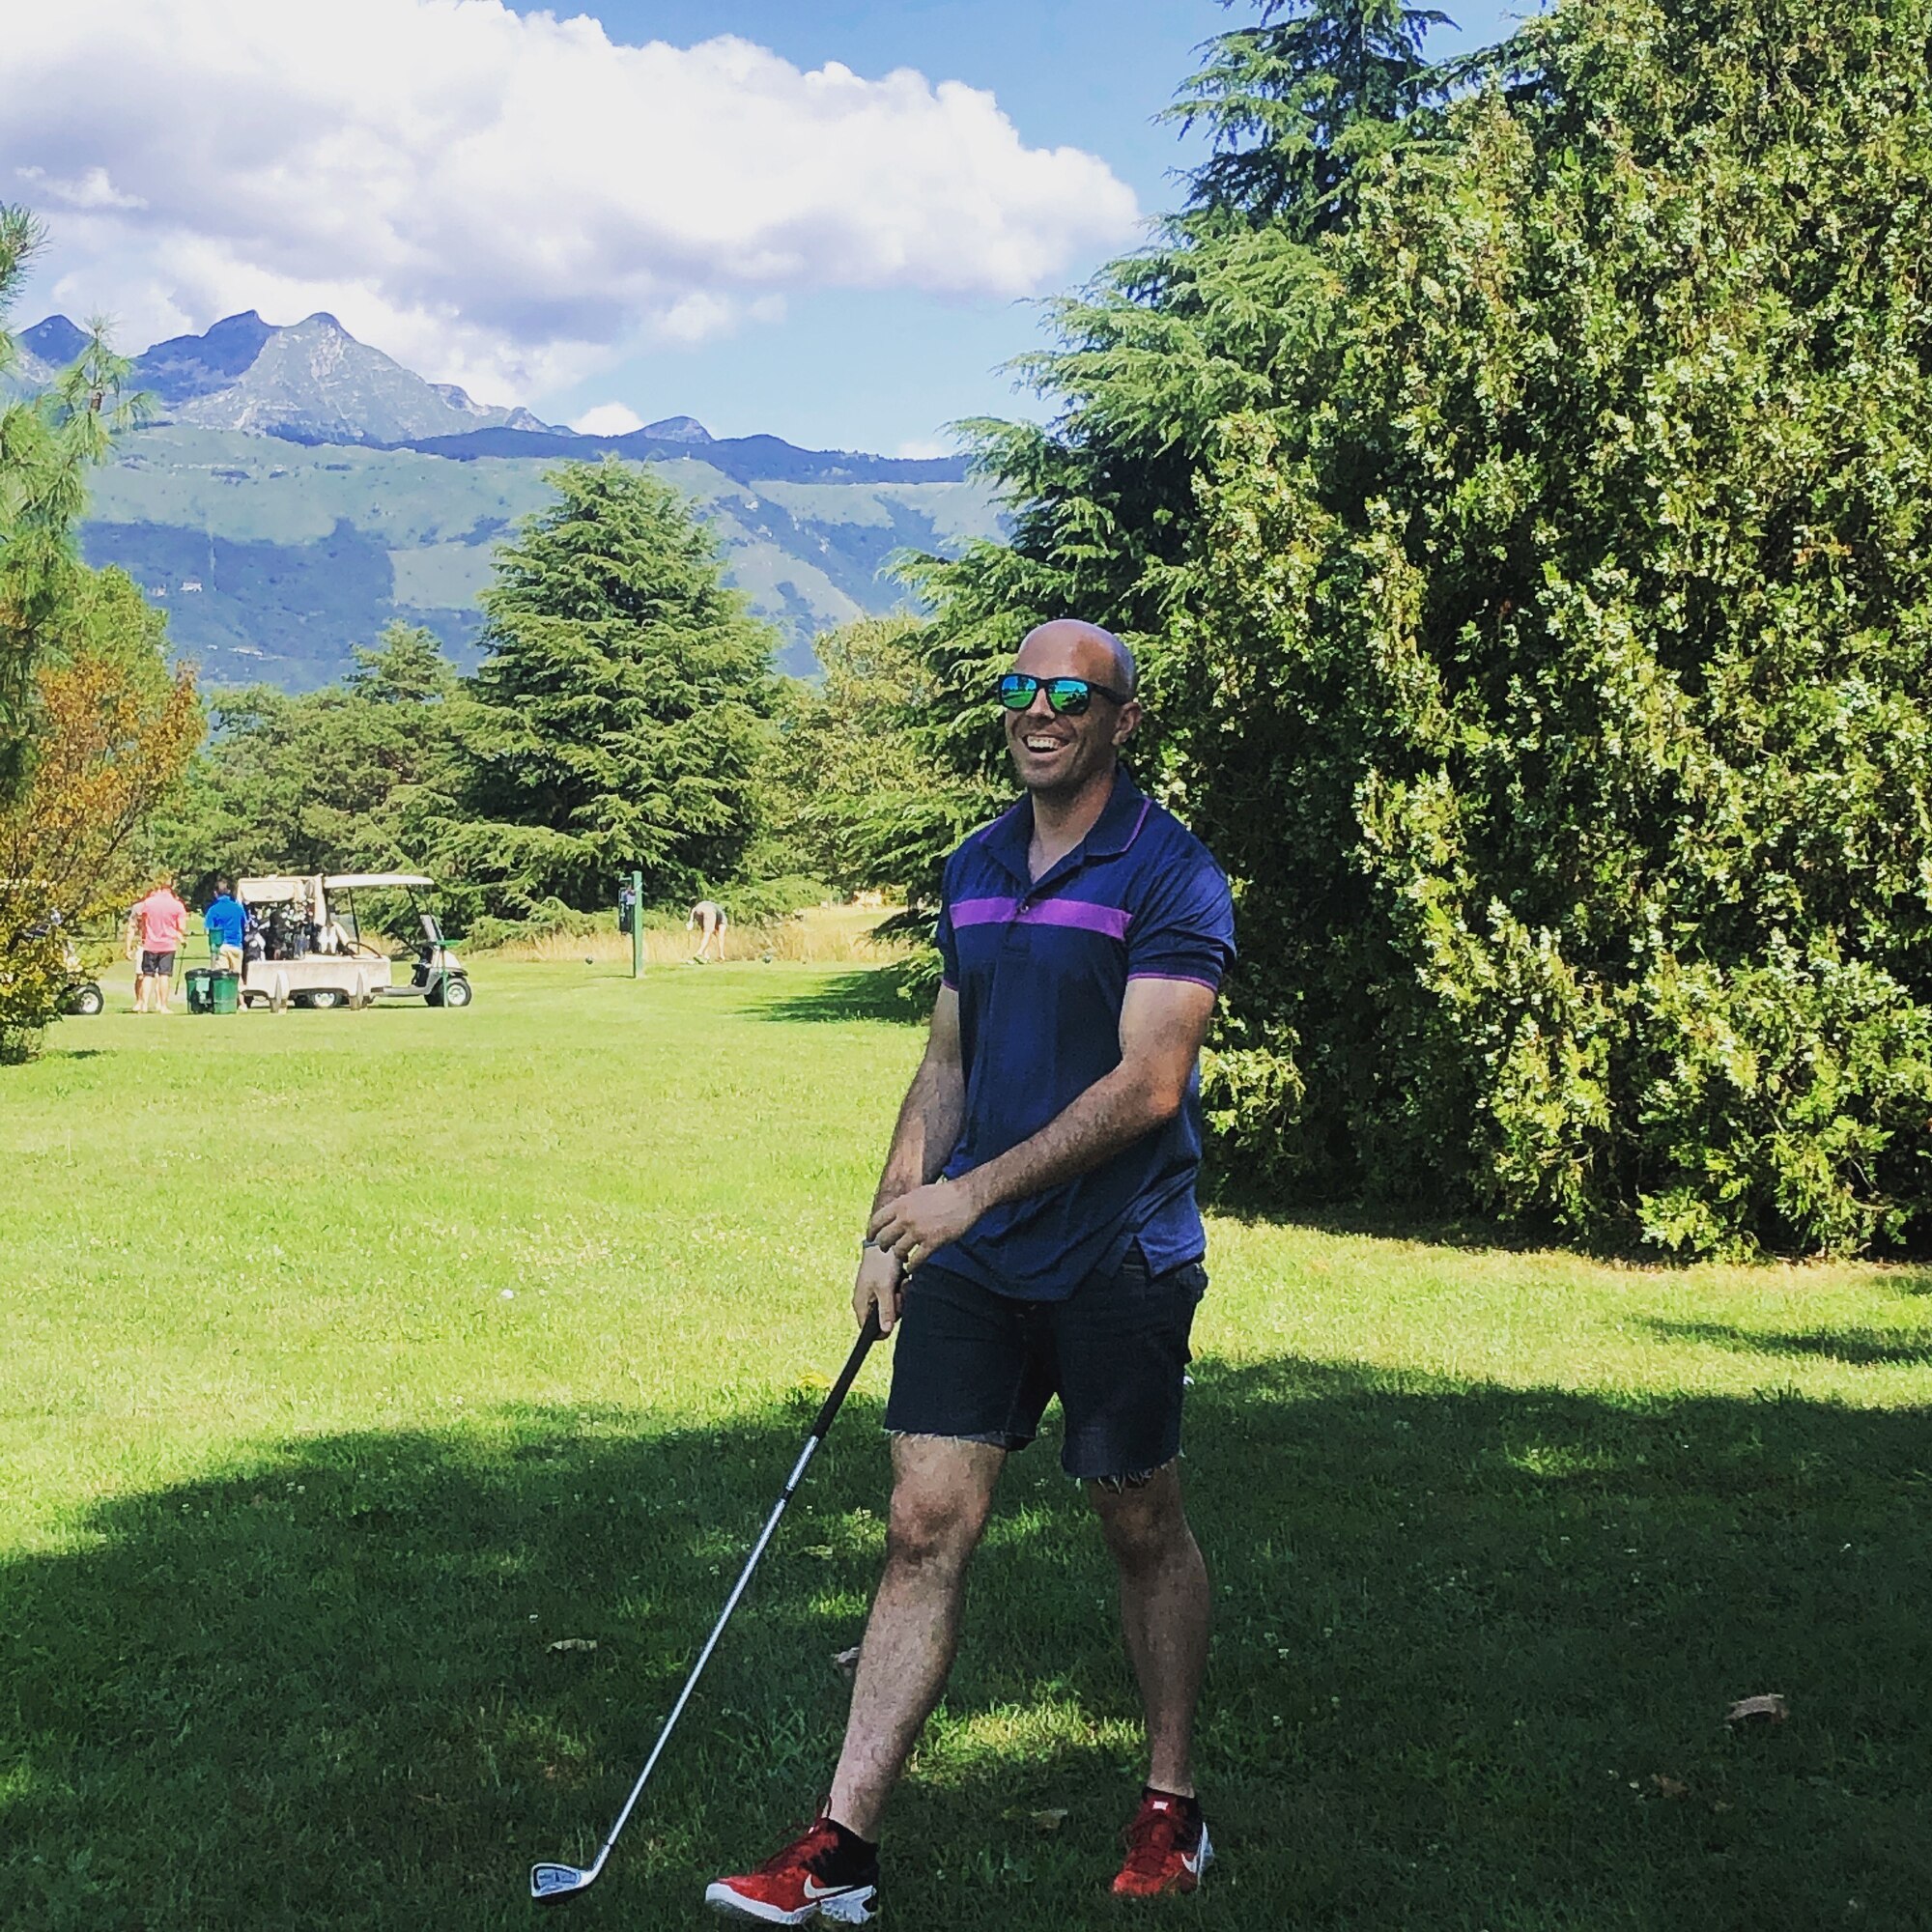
[350,1362]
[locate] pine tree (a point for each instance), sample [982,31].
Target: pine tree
[617,721]
[48,441]
[1301,102]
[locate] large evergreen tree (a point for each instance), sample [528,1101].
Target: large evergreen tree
[1534,581]
[1300,104]
[618,720]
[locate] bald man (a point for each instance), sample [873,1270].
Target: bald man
[1035,1234]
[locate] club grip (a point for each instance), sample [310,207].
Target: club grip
[836,1396]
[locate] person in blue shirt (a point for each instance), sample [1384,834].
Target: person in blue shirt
[226,924]
[1035,1234]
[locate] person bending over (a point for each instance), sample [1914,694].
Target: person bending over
[708,915]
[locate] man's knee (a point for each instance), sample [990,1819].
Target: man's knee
[1143,1521]
[940,1494]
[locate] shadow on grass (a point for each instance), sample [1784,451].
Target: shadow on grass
[1862,1348]
[1473,1649]
[1235,1197]
[871,993]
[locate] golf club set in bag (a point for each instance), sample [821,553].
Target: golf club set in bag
[558,1880]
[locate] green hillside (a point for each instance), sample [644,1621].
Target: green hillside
[273,559]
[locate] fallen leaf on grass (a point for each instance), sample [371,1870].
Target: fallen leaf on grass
[1666,1786]
[1769,1709]
[572,1643]
[847,1661]
[1049,1820]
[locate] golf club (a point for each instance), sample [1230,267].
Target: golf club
[552,1881]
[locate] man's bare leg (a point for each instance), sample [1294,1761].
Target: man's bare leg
[942,1492]
[1165,1613]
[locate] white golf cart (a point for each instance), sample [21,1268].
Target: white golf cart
[306,946]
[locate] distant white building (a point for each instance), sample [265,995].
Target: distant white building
[157,590]
[192,583]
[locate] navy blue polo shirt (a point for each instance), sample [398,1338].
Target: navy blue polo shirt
[1041,967]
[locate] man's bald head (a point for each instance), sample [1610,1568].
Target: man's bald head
[1072,647]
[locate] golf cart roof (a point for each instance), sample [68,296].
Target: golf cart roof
[337,882]
[269,890]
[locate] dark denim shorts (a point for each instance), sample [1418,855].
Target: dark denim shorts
[981,1367]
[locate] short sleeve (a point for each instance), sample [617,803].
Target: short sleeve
[942,937]
[1185,931]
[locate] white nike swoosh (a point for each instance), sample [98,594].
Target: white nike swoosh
[813,1890]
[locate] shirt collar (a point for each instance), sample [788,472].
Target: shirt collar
[1120,824]
[1117,828]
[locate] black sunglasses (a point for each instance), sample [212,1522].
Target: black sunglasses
[1066,697]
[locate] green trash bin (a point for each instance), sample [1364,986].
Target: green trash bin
[224,993]
[200,991]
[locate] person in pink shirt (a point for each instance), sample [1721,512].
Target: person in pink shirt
[154,930]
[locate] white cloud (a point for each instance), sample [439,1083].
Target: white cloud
[609,419]
[922,447]
[506,200]
[92,190]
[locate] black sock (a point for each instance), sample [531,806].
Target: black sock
[854,1858]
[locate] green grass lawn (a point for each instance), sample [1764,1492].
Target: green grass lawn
[348,1362]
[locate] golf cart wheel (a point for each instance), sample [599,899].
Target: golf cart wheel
[456,992]
[88,1002]
[322,997]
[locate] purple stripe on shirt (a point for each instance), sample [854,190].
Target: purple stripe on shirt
[1110,921]
[1190,979]
[1113,921]
[983,911]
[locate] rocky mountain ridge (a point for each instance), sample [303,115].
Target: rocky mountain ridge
[308,381]
[296,489]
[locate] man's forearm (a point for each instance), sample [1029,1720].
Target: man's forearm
[1112,1114]
[927,1129]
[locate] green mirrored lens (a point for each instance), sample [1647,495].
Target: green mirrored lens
[1066,697]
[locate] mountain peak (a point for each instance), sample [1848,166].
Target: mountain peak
[309,382]
[54,340]
[678,429]
[187,367]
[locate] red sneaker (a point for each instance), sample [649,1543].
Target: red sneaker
[812,1878]
[1167,1848]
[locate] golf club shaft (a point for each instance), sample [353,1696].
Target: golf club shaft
[833,1400]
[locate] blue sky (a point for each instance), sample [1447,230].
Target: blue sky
[855,369]
[827,220]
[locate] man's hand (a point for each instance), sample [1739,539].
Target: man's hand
[922,1219]
[880,1285]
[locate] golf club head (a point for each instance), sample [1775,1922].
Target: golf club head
[558,1881]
